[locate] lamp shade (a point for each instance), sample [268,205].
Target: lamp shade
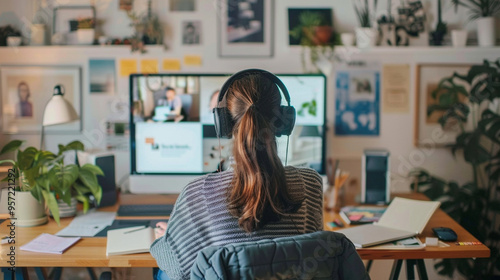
[58,110]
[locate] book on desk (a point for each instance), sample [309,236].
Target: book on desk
[403,218]
[129,240]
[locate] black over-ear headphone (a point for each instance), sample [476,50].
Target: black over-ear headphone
[285,117]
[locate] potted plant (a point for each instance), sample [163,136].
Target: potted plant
[484,12]
[50,182]
[315,35]
[437,35]
[474,205]
[85,33]
[147,30]
[366,35]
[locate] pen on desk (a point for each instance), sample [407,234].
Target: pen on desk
[136,229]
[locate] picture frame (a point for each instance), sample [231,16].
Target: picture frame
[428,131]
[245,28]
[63,14]
[35,84]
[323,35]
[102,76]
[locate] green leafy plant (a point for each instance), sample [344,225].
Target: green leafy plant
[309,107]
[365,15]
[479,8]
[315,35]
[45,175]
[85,23]
[475,204]
[147,30]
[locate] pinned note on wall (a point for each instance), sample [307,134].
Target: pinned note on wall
[149,66]
[171,64]
[192,60]
[127,67]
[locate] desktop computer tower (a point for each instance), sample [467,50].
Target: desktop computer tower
[375,183]
[106,161]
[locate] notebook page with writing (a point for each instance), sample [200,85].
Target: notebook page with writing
[408,214]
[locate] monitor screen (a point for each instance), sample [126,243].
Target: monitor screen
[172,124]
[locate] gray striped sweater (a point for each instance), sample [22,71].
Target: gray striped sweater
[201,218]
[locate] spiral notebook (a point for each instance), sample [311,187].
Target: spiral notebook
[403,218]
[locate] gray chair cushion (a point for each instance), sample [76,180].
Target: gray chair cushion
[318,255]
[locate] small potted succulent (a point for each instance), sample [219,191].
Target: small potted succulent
[85,32]
[44,176]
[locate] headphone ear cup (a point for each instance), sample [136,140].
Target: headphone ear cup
[223,122]
[286,121]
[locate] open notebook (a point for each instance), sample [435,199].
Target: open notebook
[403,218]
[129,240]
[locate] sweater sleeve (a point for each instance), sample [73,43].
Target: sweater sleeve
[161,251]
[176,250]
[314,190]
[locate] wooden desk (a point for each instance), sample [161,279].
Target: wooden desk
[438,219]
[91,252]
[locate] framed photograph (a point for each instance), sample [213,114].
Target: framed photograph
[357,104]
[299,17]
[25,91]
[428,131]
[66,17]
[182,5]
[102,76]
[191,32]
[245,28]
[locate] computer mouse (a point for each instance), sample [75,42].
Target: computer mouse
[445,234]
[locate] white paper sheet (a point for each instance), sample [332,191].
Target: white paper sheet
[48,243]
[88,225]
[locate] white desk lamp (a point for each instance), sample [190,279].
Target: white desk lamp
[57,111]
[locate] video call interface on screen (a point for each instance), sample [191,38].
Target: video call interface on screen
[173,125]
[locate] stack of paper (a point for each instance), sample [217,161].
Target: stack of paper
[88,225]
[48,243]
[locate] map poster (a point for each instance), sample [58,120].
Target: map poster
[357,102]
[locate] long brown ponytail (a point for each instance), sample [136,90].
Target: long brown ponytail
[259,193]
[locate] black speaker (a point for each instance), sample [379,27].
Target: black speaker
[105,161]
[285,118]
[375,187]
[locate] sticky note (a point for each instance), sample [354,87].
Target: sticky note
[192,60]
[149,66]
[127,67]
[172,64]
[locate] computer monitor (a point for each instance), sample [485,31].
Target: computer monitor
[170,149]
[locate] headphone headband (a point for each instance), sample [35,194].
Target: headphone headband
[285,117]
[246,72]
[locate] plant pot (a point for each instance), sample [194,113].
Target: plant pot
[85,36]
[486,31]
[37,35]
[387,34]
[29,212]
[459,38]
[66,210]
[322,35]
[366,37]
[347,39]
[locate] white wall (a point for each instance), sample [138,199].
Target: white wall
[396,129]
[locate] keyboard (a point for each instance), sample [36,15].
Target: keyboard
[145,210]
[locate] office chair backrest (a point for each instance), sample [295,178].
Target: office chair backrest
[319,255]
